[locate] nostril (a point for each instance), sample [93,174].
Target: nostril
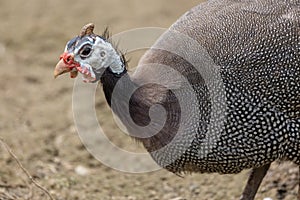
[68,59]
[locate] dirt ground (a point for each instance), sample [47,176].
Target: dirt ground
[36,118]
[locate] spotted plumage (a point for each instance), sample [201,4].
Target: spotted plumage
[227,76]
[257,45]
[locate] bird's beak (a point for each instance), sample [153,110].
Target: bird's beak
[63,66]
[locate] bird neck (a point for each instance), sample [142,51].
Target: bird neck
[109,80]
[132,102]
[119,90]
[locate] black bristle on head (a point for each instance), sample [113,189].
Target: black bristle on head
[106,34]
[123,58]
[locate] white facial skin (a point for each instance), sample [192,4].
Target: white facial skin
[95,56]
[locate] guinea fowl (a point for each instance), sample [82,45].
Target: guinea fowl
[227,77]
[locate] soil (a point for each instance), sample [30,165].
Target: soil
[36,117]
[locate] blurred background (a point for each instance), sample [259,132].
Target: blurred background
[36,118]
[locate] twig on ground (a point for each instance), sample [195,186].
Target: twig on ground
[25,170]
[5,195]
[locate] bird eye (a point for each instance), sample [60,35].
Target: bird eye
[85,51]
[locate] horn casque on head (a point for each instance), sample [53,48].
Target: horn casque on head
[87,30]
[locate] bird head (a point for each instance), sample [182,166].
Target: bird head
[91,55]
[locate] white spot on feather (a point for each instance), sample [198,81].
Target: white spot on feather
[289,15]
